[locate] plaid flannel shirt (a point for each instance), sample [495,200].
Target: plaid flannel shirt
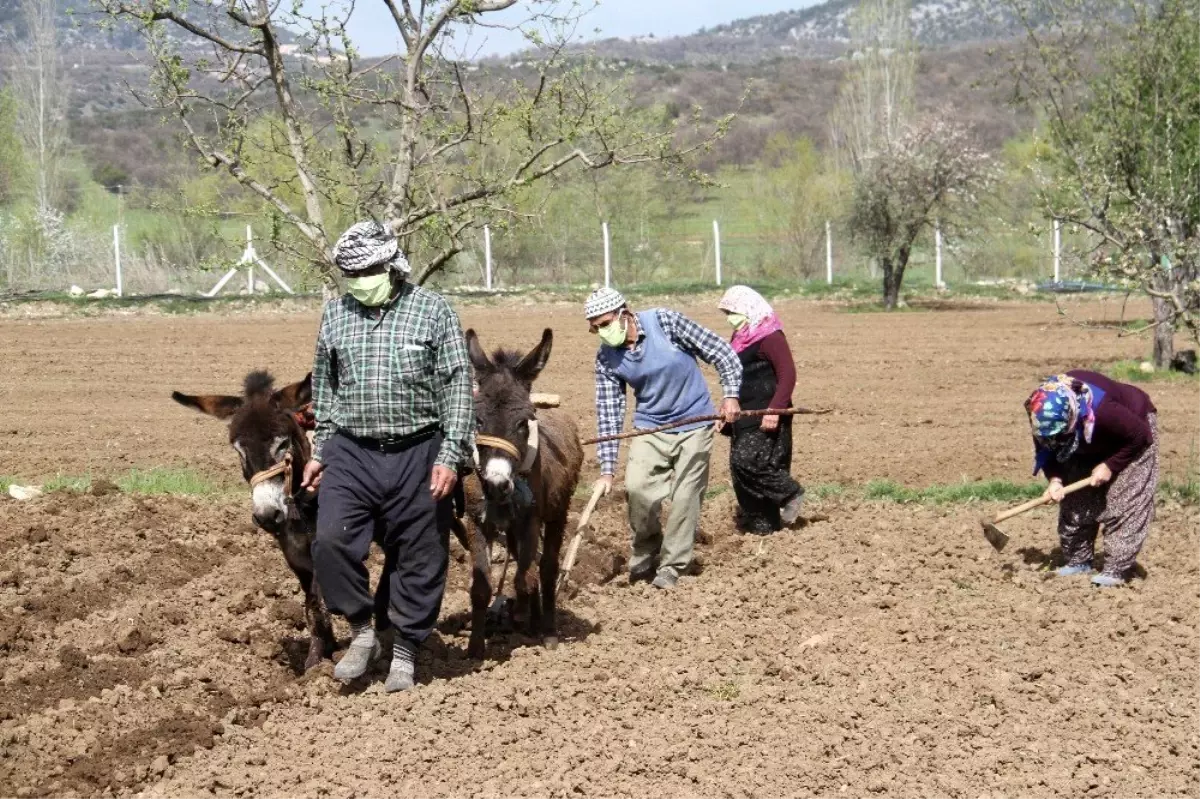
[690,337]
[394,371]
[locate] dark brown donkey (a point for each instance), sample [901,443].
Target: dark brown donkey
[527,495]
[265,429]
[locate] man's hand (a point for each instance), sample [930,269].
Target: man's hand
[312,475]
[730,408]
[1054,491]
[770,423]
[1101,475]
[443,482]
[605,480]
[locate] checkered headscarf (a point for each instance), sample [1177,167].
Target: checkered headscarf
[602,301]
[368,244]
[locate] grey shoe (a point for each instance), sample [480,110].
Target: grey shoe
[1071,571]
[666,578]
[356,661]
[399,679]
[790,512]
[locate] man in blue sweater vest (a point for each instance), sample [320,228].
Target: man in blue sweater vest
[655,352]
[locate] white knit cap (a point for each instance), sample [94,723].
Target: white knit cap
[602,301]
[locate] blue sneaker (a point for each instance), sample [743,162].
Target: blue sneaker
[1071,571]
[1108,581]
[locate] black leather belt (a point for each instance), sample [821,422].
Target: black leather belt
[392,444]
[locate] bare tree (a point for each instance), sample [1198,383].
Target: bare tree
[1117,84]
[41,100]
[933,173]
[876,100]
[281,100]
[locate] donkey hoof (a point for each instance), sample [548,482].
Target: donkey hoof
[475,651]
[550,642]
[312,661]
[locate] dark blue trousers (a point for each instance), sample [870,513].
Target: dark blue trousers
[362,490]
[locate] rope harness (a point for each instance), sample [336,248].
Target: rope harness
[304,419]
[509,448]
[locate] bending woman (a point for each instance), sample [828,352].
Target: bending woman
[1085,424]
[760,456]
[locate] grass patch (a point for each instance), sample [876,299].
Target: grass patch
[983,491]
[724,691]
[824,491]
[1187,492]
[715,491]
[168,481]
[5,482]
[69,483]
[1131,372]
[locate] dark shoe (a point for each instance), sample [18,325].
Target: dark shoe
[790,512]
[665,579]
[643,575]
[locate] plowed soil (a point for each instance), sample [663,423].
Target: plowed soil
[151,645]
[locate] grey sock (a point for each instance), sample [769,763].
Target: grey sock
[401,674]
[362,634]
[404,655]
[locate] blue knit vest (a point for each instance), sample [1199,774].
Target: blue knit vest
[666,381]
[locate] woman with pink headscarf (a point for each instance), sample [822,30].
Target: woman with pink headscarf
[760,456]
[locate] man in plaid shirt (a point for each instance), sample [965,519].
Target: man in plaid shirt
[655,352]
[395,413]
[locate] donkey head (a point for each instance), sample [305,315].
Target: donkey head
[503,408]
[263,431]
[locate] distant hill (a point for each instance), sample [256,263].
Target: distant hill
[820,31]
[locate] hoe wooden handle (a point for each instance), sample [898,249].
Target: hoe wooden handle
[573,549]
[1036,503]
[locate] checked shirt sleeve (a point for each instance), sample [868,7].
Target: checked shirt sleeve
[324,392]
[610,415]
[456,403]
[705,345]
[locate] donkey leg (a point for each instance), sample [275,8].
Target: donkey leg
[551,546]
[527,578]
[481,588]
[316,617]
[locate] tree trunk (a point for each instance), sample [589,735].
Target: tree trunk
[1164,334]
[893,276]
[891,284]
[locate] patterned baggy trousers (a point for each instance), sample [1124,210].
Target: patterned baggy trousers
[1125,508]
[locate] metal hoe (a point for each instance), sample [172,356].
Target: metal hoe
[997,538]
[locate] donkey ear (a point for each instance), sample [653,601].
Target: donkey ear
[532,364]
[296,395]
[216,405]
[479,358]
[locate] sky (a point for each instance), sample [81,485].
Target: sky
[374,33]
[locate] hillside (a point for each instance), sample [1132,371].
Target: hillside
[820,31]
[788,94]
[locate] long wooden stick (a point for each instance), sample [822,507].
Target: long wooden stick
[573,549]
[709,418]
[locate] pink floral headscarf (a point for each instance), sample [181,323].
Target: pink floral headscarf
[761,320]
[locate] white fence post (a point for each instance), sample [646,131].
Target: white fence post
[1057,249]
[487,257]
[937,257]
[117,258]
[828,253]
[607,256]
[249,255]
[717,246]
